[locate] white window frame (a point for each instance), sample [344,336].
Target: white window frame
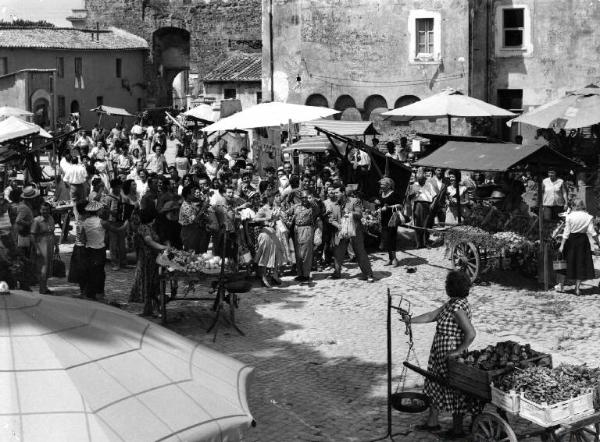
[413,56]
[527,48]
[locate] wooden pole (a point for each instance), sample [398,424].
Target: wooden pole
[449,125]
[542,251]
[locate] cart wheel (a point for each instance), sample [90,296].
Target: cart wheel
[465,257]
[590,433]
[489,427]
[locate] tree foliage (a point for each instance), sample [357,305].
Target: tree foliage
[25,23]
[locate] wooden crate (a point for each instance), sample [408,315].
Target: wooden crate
[477,381]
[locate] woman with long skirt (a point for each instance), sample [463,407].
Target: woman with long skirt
[78,266]
[579,227]
[270,251]
[42,231]
[390,202]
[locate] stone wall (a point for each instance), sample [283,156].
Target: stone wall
[215,27]
[362,49]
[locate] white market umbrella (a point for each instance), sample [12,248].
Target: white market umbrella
[78,370]
[203,112]
[447,104]
[573,111]
[13,128]
[110,110]
[270,115]
[9,111]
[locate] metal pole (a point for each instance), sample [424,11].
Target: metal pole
[542,251]
[271,56]
[449,125]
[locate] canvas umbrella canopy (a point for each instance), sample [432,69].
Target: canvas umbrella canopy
[448,103]
[77,370]
[203,112]
[270,115]
[109,110]
[577,109]
[13,128]
[8,111]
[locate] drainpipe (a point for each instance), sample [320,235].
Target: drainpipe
[271,57]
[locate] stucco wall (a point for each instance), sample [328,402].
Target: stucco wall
[246,92]
[99,75]
[13,91]
[215,27]
[361,48]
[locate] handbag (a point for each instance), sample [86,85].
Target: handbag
[396,219]
[58,267]
[318,237]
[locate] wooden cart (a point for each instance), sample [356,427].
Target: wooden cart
[492,425]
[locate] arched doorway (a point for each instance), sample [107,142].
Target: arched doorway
[74,107]
[405,100]
[342,103]
[40,106]
[317,100]
[373,102]
[171,54]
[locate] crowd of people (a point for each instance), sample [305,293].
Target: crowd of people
[146,190]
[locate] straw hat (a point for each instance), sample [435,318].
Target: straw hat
[30,192]
[4,290]
[170,206]
[94,206]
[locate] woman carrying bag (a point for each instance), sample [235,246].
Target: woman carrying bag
[575,245]
[391,218]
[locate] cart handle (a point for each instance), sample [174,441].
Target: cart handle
[425,373]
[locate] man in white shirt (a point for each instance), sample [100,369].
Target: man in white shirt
[361,164]
[422,194]
[437,185]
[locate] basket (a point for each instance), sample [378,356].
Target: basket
[549,415]
[510,401]
[559,263]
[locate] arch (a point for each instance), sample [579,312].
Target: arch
[317,100]
[405,100]
[171,56]
[373,102]
[342,103]
[41,112]
[74,107]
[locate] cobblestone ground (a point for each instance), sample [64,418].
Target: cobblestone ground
[320,351]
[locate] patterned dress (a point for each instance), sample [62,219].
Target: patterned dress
[146,284]
[448,336]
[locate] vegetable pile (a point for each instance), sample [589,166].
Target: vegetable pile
[189,262]
[507,354]
[542,384]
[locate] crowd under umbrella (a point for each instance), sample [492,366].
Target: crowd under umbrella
[575,110]
[448,104]
[77,370]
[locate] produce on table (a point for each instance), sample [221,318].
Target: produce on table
[189,262]
[542,384]
[507,354]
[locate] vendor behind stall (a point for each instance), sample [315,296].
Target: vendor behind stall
[454,333]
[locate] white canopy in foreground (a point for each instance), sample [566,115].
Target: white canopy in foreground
[270,115]
[109,110]
[77,370]
[448,103]
[13,128]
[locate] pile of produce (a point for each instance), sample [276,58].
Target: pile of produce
[512,242]
[371,221]
[188,261]
[543,384]
[507,354]
[508,242]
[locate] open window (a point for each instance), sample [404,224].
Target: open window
[425,37]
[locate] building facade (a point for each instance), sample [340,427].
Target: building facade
[183,35]
[238,78]
[90,68]
[364,55]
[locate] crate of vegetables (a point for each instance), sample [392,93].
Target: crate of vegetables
[474,372]
[509,401]
[549,397]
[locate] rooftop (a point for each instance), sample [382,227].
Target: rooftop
[237,67]
[69,38]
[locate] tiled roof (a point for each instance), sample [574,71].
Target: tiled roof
[237,67]
[69,38]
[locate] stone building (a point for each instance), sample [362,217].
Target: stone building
[528,52]
[183,35]
[364,54]
[90,68]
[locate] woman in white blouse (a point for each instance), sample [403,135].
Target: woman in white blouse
[579,226]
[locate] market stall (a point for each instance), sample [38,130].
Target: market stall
[475,249]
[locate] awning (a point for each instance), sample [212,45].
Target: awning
[109,110]
[493,157]
[13,128]
[345,128]
[204,112]
[310,144]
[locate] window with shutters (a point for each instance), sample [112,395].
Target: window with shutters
[79,73]
[60,67]
[62,106]
[119,67]
[513,31]
[424,36]
[229,93]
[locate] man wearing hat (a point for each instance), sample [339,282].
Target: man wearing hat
[159,138]
[23,224]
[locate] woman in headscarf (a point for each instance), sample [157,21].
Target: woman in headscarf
[389,202]
[270,251]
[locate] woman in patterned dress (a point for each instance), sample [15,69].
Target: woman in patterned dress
[453,335]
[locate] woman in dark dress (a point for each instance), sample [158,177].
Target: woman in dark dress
[453,335]
[579,226]
[390,202]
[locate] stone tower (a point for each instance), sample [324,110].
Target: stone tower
[183,35]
